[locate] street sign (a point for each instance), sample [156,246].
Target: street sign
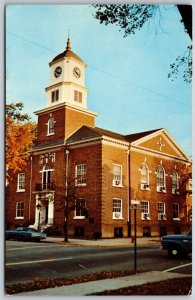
[135,202]
[135,206]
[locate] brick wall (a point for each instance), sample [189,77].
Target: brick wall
[154,197]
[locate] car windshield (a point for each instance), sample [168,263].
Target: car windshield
[32,229]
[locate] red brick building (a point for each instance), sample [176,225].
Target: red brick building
[105,169]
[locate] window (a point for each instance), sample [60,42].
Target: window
[117,175]
[80,206]
[161,211]
[161,179]
[47,178]
[78,96]
[20,210]
[176,211]
[81,171]
[144,176]
[21,182]
[118,232]
[117,208]
[54,96]
[175,183]
[50,126]
[145,214]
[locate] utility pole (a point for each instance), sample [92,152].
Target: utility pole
[135,204]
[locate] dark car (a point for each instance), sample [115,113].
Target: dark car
[177,245]
[24,234]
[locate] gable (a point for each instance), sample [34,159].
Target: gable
[162,143]
[83,133]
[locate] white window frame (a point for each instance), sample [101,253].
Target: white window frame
[19,210]
[145,211]
[54,96]
[47,172]
[161,179]
[117,208]
[50,126]
[80,175]
[117,175]
[21,182]
[78,96]
[79,216]
[175,182]
[176,210]
[161,211]
[144,177]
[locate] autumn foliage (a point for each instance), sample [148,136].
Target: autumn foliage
[20,134]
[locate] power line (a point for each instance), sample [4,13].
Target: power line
[29,41]
[137,85]
[101,71]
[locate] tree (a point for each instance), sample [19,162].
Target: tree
[131,18]
[71,200]
[20,134]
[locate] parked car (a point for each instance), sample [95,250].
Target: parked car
[24,234]
[177,245]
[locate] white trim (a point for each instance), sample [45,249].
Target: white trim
[65,104]
[117,215]
[158,154]
[168,139]
[18,182]
[118,183]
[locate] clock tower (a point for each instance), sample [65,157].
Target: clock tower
[66,109]
[67,78]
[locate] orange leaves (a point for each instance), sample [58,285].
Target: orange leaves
[20,135]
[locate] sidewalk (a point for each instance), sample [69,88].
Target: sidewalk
[88,288]
[91,287]
[115,242]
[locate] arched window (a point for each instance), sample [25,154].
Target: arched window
[161,184]
[50,126]
[47,177]
[144,176]
[175,182]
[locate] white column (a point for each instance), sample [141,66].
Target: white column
[37,212]
[50,210]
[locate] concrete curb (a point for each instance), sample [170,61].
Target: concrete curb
[104,242]
[89,288]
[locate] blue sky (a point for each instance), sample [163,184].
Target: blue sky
[126,77]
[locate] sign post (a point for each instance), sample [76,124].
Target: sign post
[135,204]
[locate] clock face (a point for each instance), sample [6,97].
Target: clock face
[58,71]
[76,72]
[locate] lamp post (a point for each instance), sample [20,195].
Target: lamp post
[38,206]
[135,204]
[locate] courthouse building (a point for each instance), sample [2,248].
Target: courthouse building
[106,170]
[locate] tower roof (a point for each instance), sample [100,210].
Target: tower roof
[67,53]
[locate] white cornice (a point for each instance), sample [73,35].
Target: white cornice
[50,87]
[158,154]
[170,141]
[68,105]
[102,139]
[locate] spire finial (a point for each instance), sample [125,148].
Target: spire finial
[68,47]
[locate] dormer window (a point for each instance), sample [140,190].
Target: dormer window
[78,96]
[50,126]
[54,96]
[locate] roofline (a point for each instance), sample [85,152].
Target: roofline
[65,104]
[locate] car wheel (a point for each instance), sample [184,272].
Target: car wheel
[174,252]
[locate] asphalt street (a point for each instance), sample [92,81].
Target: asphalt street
[25,260]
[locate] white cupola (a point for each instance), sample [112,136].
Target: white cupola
[67,80]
